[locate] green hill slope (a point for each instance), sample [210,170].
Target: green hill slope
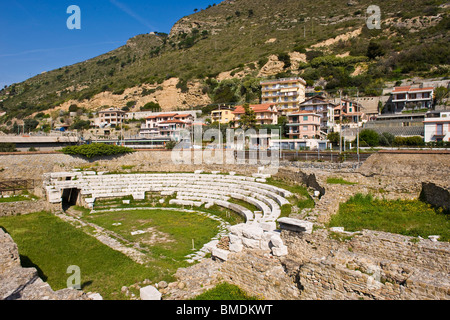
[241,35]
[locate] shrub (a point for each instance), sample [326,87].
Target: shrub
[96,150]
[369,138]
[7,147]
[415,141]
[386,139]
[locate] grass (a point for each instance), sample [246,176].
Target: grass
[333,180]
[24,196]
[407,217]
[301,199]
[103,269]
[179,228]
[224,292]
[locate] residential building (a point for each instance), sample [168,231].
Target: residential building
[304,125]
[409,98]
[300,144]
[323,107]
[222,115]
[110,118]
[348,113]
[266,114]
[138,115]
[407,124]
[166,125]
[285,93]
[437,126]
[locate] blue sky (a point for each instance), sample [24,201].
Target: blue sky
[34,36]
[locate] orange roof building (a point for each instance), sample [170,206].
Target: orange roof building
[266,114]
[410,97]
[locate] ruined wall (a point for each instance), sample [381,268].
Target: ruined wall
[368,265]
[25,207]
[431,166]
[436,195]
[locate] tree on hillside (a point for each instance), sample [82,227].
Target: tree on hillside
[374,50]
[369,138]
[248,119]
[151,106]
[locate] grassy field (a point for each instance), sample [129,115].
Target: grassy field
[406,217]
[51,245]
[103,269]
[170,234]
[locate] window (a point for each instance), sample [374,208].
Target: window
[305,128]
[305,118]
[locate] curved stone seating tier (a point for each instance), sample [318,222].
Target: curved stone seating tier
[190,189]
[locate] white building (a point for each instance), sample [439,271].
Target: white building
[285,93]
[407,97]
[437,126]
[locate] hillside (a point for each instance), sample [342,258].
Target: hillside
[219,54]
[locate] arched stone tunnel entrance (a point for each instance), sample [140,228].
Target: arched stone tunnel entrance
[70,198]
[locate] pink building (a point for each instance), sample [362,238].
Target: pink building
[304,125]
[166,124]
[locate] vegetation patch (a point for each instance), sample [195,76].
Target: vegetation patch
[332,180]
[407,217]
[223,292]
[24,196]
[96,150]
[301,197]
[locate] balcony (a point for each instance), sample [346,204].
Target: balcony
[282,80]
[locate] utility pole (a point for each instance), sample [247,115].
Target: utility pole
[357,126]
[340,121]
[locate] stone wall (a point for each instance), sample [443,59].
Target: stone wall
[25,207]
[365,265]
[427,166]
[368,265]
[437,196]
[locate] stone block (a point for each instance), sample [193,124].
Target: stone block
[276,241]
[235,239]
[236,247]
[253,232]
[279,252]
[150,293]
[237,229]
[296,225]
[220,254]
[268,226]
[251,243]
